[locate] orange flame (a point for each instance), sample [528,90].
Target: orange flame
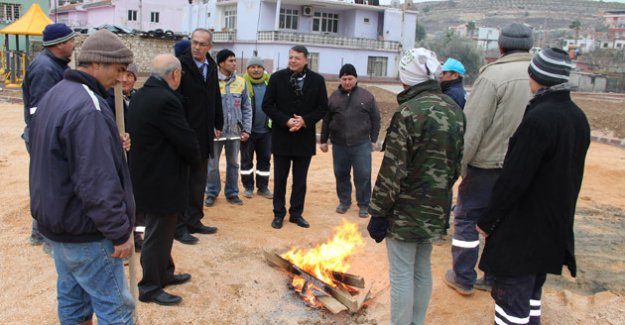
[321,260]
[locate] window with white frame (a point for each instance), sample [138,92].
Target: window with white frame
[132,15]
[230,17]
[288,18]
[313,61]
[325,22]
[377,66]
[9,12]
[154,17]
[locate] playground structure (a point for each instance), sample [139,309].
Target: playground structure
[14,62]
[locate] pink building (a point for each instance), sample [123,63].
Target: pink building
[137,14]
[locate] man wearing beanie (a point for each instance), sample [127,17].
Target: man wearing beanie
[353,125]
[237,112]
[528,223]
[259,142]
[296,100]
[42,73]
[494,111]
[202,104]
[85,208]
[423,150]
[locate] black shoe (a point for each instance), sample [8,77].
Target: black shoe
[277,222]
[209,201]
[162,298]
[234,200]
[186,238]
[202,229]
[138,245]
[300,221]
[179,279]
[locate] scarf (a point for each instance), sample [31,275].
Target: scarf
[251,81]
[297,81]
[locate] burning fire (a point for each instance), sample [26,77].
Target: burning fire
[321,260]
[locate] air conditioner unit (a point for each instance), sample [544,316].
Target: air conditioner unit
[307,11]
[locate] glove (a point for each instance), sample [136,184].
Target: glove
[377,228]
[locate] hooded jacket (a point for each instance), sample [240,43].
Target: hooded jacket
[80,188]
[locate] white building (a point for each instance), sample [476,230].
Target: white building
[487,38]
[335,32]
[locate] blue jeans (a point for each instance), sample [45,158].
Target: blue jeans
[411,280]
[344,159]
[213,183]
[473,195]
[89,280]
[259,143]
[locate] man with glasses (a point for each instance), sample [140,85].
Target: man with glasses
[202,104]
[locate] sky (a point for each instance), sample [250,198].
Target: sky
[386,2]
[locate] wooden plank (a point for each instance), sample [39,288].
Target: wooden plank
[349,279]
[277,260]
[333,305]
[362,296]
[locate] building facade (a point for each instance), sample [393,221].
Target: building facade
[12,10]
[615,21]
[370,37]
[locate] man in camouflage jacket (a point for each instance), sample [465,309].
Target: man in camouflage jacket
[423,151]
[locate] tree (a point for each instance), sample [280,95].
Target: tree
[576,25]
[459,48]
[419,32]
[471,28]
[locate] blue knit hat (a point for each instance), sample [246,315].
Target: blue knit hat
[181,46]
[57,33]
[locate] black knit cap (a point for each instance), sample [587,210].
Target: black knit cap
[550,67]
[349,70]
[223,55]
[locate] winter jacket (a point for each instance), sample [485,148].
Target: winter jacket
[201,101]
[163,148]
[281,102]
[531,211]
[41,75]
[80,188]
[495,109]
[237,109]
[455,90]
[353,118]
[423,150]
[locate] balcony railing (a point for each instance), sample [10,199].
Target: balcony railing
[321,39]
[229,36]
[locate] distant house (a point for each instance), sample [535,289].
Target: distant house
[137,14]
[487,38]
[370,37]
[615,21]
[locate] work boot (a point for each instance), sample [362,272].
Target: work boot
[266,193]
[342,208]
[363,212]
[277,222]
[450,280]
[234,200]
[248,193]
[482,284]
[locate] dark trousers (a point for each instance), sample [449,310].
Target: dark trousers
[358,158]
[473,196]
[195,208]
[259,143]
[281,168]
[156,261]
[517,299]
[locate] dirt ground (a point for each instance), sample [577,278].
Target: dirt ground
[232,284]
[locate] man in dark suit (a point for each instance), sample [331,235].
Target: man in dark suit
[296,99]
[202,104]
[164,146]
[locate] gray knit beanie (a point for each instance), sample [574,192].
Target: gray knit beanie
[255,61]
[550,67]
[516,37]
[104,47]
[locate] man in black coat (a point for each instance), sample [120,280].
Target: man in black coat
[202,104]
[296,99]
[528,223]
[164,146]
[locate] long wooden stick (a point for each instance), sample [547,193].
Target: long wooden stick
[132,261]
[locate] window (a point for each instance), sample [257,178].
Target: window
[9,12]
[154,17]
[132,15]
[313,61]
[377,66]
[230,17]
[288,18]
[366,20]
[325,22]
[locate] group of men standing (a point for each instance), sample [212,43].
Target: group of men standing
[521,158]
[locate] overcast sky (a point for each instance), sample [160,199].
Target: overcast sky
[386,2]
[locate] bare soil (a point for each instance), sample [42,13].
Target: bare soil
[232,284]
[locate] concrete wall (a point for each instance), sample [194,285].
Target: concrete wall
[588,82]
